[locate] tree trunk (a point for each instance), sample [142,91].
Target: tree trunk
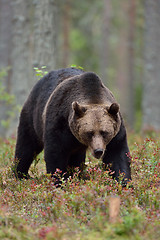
[33,44]
[104,58]
[151,81]
[66,32]
[131,63]
[122,58]
[5,49]
[125,56]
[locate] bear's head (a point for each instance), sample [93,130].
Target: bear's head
[95,125]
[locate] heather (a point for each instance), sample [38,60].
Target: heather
[36,209]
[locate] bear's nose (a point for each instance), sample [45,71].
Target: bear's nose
[98,153]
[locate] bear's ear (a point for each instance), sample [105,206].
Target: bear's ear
[78,109]
[113,109]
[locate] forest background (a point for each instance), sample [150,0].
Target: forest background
[118,40]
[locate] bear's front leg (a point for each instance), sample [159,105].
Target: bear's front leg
[55,158]
[117,153]
[56,152]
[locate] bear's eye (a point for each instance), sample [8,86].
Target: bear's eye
[104,134]
[90,134]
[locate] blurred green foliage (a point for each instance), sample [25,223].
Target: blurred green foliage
[8,100]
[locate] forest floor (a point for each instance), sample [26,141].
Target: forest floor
[36,209]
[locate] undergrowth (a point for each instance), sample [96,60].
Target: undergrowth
[36,209]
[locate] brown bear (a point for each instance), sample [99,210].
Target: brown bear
[68,111]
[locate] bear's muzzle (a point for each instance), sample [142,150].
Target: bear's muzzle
[98,153]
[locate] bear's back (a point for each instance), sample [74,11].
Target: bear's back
[46,85]
[50,81]
[86,88]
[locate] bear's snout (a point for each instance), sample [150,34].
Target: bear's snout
[98,153]
[97,146]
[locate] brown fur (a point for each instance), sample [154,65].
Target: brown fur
[93,125]
[68,111]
